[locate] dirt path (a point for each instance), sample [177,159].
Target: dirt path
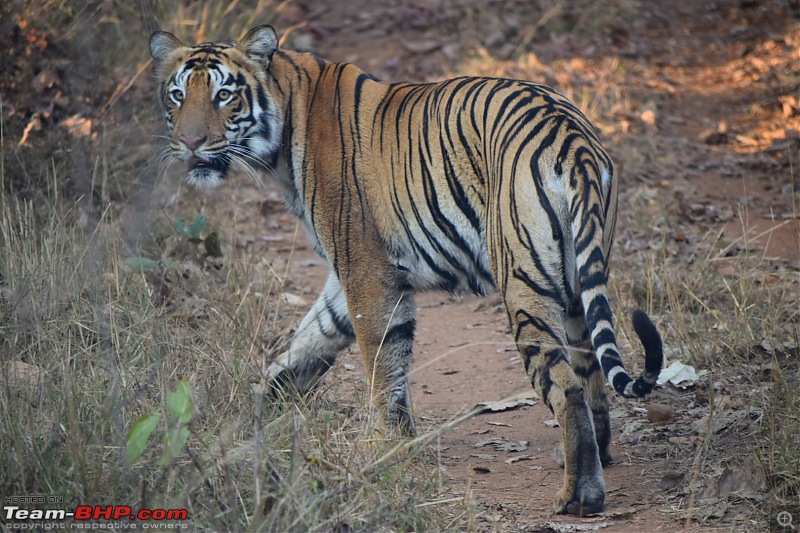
[705,128]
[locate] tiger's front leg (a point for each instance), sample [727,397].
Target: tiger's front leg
[384,319]
[323,333]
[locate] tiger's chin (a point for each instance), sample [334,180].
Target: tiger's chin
[206,174]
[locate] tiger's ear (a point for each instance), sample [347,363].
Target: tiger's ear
[259,44]
[163,43]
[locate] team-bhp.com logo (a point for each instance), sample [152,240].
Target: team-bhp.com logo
[87,517]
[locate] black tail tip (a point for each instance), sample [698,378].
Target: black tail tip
[651,340]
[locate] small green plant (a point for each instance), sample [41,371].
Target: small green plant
[184,240]
[181,407]
[191,232]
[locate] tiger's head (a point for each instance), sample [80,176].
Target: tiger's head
[218,107]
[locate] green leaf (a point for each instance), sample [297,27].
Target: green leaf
[138,436]
[174,441]
[145,263]
[141,263]
[180,227]
[179,402]
[198,225]
[317,485]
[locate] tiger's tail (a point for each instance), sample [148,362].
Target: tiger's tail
[653,360]
[591,264]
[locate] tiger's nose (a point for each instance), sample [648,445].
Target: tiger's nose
[193,143]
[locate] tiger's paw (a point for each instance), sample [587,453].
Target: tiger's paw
[279,383]
[588,498]
[400,422]
[298,377]
[606,459]
[404,426]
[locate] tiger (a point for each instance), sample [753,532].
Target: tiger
[467,185]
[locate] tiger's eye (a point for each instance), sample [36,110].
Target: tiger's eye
[223,94]
[176,95]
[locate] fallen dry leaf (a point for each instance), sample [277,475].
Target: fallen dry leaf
[506,405]
[503,444]
[560,527]
[718,422]
[489,442]
[513,446]
[742,481]
[678,374]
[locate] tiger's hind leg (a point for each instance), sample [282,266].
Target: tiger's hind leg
[587,368]
[322,334]
[539,333]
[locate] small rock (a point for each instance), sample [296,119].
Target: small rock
[422,47]
[659,412]
[633,438]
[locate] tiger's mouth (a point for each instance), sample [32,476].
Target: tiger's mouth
[207,173]
[215,163]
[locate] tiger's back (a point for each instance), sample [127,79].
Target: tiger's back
[466,185]
[424,151]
